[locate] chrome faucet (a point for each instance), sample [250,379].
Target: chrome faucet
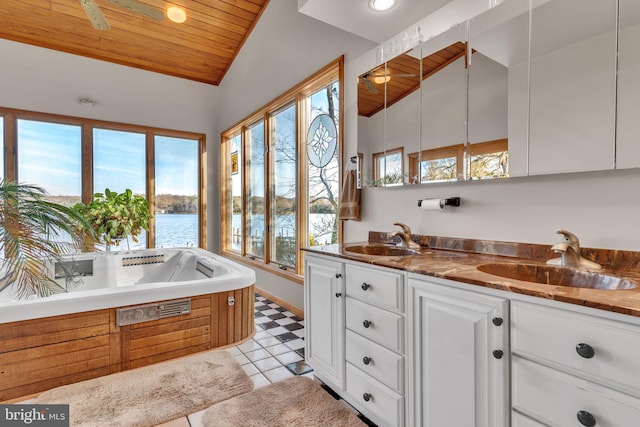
[569,250]
[405,236]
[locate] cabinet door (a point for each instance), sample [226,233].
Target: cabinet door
[324,319]
[459,357]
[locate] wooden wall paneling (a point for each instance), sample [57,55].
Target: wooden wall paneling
[215,323]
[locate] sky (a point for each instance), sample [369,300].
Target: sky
[49,156]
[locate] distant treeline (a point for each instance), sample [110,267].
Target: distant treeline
[165,203]
[321,206]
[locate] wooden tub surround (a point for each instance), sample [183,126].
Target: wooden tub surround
[39,354]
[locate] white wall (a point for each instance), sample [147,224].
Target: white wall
[284,48]
[37,79]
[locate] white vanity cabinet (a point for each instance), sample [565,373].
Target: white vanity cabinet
[575,366]
[355,329]
[375,345]
[459,355]
[324,318]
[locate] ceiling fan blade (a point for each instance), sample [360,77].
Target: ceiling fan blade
[95,15]
[370,87]
[141,8]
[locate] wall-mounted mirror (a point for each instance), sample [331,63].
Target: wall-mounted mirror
[371,119]
[572,86]
[444,108]
[498,86]
[389,107]
[628,117]
[537,100]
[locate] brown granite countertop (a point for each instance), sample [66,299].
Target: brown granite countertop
[458,259]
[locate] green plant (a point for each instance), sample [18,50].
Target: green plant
[114,216]
[32,232]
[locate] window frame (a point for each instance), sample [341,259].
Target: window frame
[11,117]
[298,94]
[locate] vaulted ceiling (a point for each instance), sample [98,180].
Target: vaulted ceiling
[200,49]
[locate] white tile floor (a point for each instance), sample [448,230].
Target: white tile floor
[278,342]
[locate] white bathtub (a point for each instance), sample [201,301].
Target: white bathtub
[120,279]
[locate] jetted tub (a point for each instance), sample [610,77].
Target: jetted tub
[117,279]
[129,309]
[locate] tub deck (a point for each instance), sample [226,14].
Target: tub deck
[39,354]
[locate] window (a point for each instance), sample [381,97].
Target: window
[281,186]
[1,147]
[177,212]
[255,200]
[119,160]
[387,167]
[73,158]
[284,193]
[489,159]
[49,155]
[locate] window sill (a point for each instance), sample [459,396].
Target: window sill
[271,268]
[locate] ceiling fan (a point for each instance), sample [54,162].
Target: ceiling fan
[99,22]
[370,79]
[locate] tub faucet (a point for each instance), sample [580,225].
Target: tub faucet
[569,250]
[405,236]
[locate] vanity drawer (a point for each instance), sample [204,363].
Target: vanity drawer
[371,397]
[552,336]
[379,325]
[555,398]
[519,420]
[382,364]
[379,287]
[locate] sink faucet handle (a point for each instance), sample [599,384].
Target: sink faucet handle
[569,237]
[404,227]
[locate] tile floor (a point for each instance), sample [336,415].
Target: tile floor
[275,352]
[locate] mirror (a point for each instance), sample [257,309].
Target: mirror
[371,121]
[444,108]
[572,86]
[389,114]
[628,122]
[498,92]
[536,100]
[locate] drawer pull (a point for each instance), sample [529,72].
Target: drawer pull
[497,321]
[338,294]
[367,323]
[585,350]
[366,360]
[338,275]
[365,286]
[498,354]
[367,397]
[586,419]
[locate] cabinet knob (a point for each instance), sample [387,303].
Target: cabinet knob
[367,397]
[366,360]
[338,275]
[365,286]
[366,323]
[585,350]
[497,321]
[338,294]
[498,354]
[586,419]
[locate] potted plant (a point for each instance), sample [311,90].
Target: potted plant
[115,216]
[32,233]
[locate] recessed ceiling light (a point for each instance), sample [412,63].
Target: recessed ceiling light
[381,5]
[176,14]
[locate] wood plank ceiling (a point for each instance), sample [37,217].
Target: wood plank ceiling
[404,72]
[201,49]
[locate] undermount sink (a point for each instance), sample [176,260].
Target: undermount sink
[557,276]
[381,250]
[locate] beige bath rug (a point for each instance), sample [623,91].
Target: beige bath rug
[297,401]
[153,394]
